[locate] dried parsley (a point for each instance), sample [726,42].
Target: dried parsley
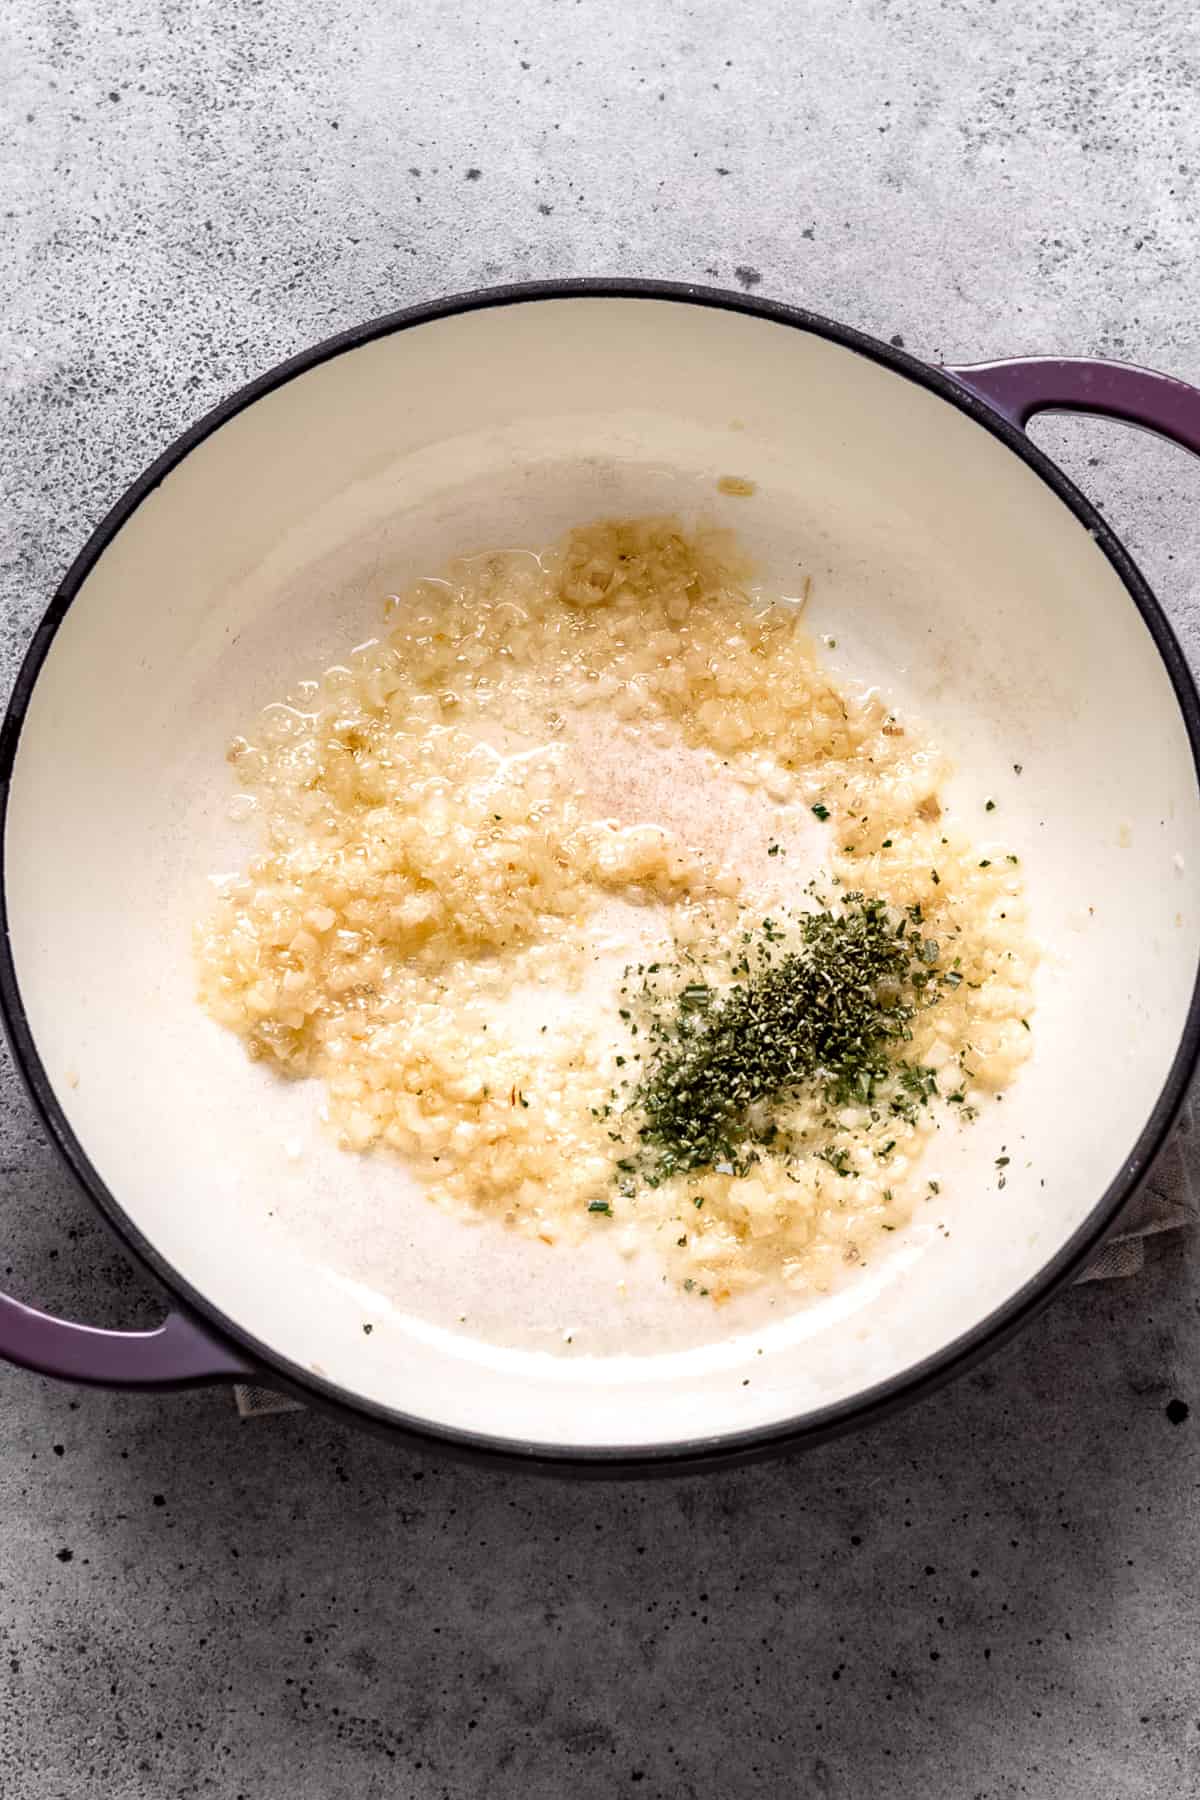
[832,1013]
[839,1161]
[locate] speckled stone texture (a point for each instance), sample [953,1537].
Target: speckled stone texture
[996,1594]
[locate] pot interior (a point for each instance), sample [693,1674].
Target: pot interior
[947,571]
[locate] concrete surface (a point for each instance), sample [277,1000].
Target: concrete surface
[996,1594]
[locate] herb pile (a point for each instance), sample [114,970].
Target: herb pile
[831,1013]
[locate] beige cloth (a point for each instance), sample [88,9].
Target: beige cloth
[1168,1200]
[257,1402]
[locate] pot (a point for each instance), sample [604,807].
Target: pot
[954,564]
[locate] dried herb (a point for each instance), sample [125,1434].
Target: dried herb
[832,1013]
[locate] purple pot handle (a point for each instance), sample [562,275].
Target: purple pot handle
[1019,388]
[181,1352]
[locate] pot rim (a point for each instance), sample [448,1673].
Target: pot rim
[697,1452]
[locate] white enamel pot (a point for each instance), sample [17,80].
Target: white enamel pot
[954,565]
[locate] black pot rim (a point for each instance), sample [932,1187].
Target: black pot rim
[695,1453]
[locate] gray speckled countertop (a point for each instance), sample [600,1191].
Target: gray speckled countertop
[995,1594]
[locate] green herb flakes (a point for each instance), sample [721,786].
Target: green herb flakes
[833,1013]
[839,1162]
